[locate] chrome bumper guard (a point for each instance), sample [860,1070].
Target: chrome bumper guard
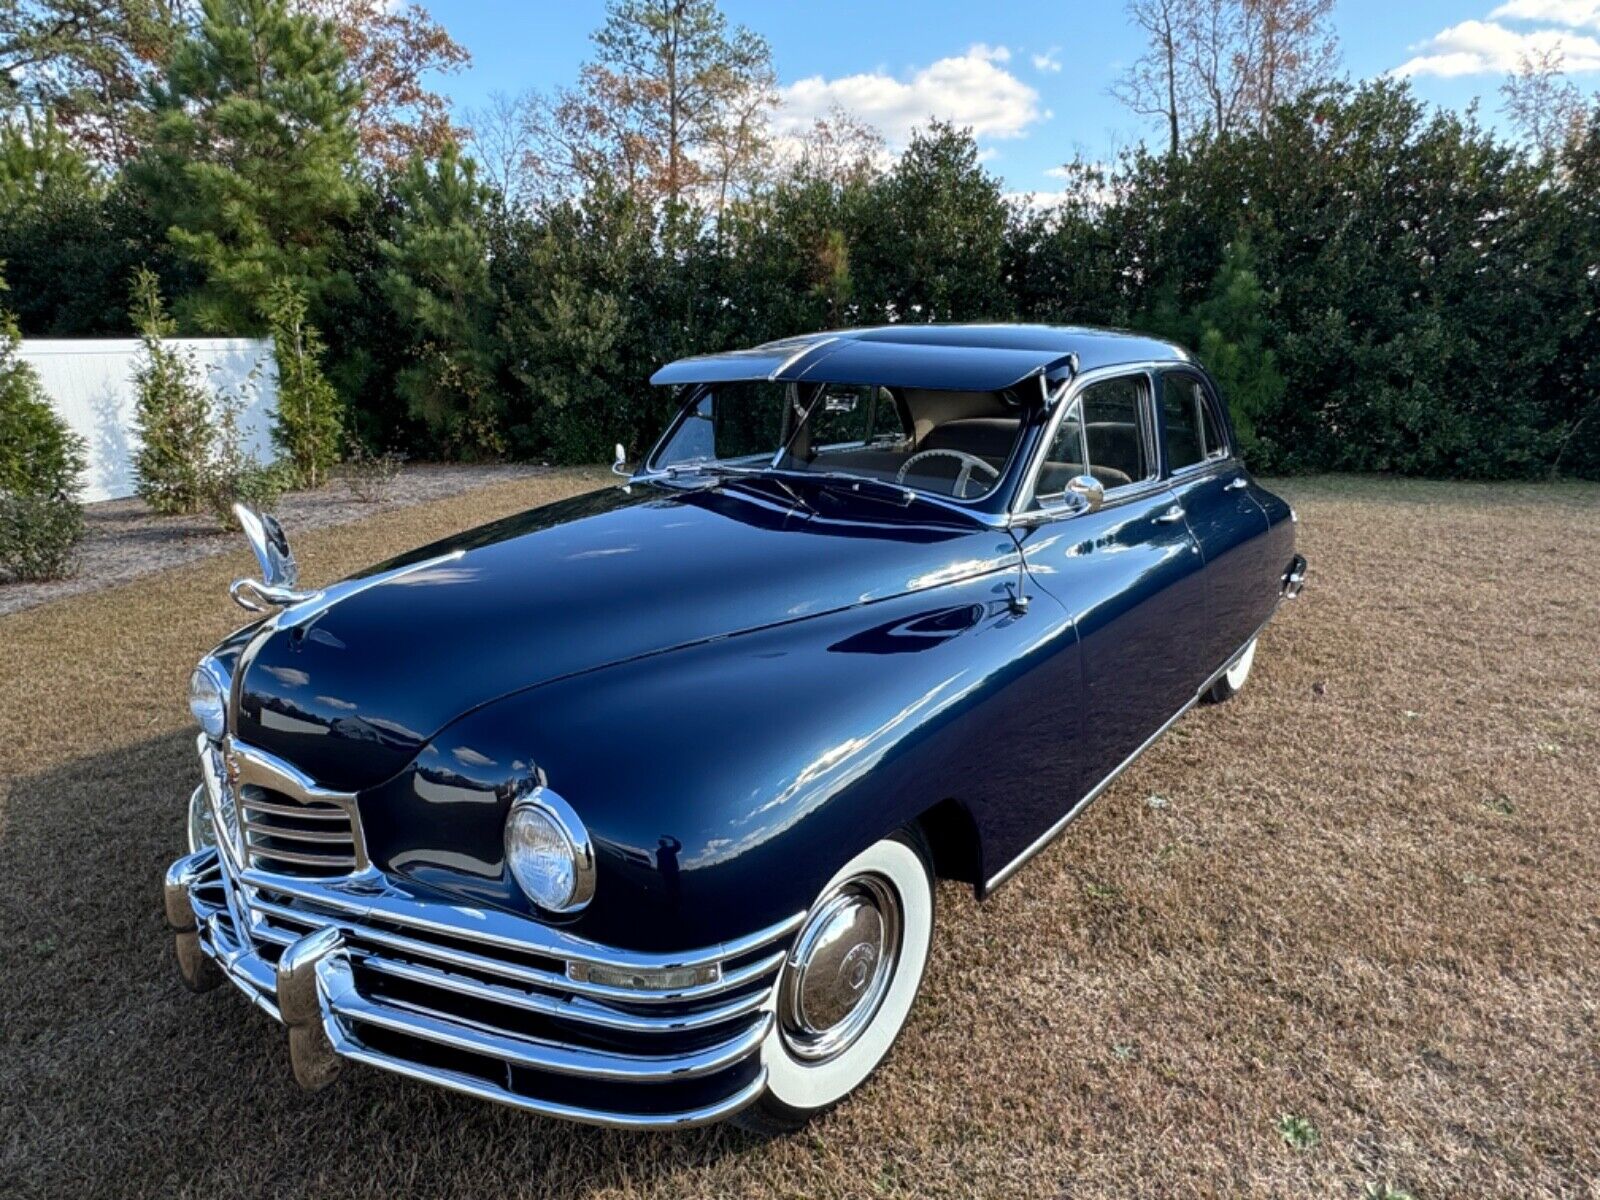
[1294,578]
[481,1002]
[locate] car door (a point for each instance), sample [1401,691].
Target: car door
[1128,571]
[1214,492]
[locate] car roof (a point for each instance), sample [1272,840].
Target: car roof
[958,357]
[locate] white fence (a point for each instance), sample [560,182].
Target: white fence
[90,383]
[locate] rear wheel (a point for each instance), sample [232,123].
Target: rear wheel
[848,984]
[1233,678]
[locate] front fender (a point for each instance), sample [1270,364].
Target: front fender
[723,783]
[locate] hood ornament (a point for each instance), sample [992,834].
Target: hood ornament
[279,574]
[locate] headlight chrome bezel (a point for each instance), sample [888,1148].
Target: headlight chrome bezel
[539,806]
[208,697]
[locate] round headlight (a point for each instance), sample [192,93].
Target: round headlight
[548,851]
[202,832]
[208,698]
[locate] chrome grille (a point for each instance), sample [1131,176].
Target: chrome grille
[277,819]
[312,838]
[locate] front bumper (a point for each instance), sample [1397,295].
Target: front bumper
[477,1001]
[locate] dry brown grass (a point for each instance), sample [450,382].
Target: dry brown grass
[1371,899]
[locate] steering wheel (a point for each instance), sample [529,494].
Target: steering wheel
[969,464]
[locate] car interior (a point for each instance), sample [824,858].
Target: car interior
[949,443]
[931,439]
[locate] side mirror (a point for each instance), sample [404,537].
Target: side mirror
[1089,491]
[619,463]
[279,573]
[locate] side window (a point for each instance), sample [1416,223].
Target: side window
[1102,434]
[1113,431]
[1216,446]
[1182,403]
[1064,458]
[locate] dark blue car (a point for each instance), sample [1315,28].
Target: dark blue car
[629,809]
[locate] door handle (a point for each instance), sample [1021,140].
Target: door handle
[1172,514]
[1236,483]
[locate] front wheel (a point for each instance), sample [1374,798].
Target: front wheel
[848,984]
[1233,678]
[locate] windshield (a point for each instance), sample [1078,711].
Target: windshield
[951,444]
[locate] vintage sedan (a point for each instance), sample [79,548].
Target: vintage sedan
[629,809]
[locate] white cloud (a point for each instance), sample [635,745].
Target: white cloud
[1486,47]
[1039,201]
[1094,194]
[972,89]
[989,53]
[1049,61]
[1575,14]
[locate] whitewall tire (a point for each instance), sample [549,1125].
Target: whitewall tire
[848,985]
[1234,677]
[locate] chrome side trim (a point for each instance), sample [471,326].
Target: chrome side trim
[323,599]
[797,356]
[1093,794]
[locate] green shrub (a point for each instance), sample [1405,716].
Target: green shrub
[369,476]
[307,427]
[40,461]
[173,417]
[39,455]
[232,474]
[37,534]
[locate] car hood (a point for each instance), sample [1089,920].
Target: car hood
[351,687]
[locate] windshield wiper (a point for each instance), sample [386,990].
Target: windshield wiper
[721,471]
[844,481]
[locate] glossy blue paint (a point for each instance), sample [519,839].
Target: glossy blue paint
[986,358]
[737,689]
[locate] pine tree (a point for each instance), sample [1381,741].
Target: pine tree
[173,418]
[436,280]
[253,161]
[307,425]
[1231,337]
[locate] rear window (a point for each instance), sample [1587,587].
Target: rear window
[1191,431]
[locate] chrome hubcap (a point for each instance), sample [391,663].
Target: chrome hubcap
[840,968]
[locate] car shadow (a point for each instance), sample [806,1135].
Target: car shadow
[117,1081]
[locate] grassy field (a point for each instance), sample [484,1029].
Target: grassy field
[1342,933]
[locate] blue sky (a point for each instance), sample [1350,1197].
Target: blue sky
[1029,75]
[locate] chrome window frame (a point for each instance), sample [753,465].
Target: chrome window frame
[1027,508]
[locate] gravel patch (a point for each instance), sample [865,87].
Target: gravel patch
[124,539]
